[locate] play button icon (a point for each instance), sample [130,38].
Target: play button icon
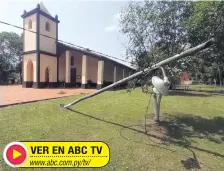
[15,154]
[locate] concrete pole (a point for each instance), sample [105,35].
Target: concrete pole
[100,74]
[84,71]
[67,66]
[157,101]
[186,53]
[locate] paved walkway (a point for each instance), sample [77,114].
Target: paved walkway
[16,94]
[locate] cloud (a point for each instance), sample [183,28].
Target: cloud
[115,22]
[110,28]
[117,17]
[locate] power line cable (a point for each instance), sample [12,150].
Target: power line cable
[76,46]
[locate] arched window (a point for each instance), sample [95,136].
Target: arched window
[30,24]
[47,26]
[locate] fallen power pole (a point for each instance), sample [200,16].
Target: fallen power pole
[186,53]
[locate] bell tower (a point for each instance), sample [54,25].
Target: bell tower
[40,48]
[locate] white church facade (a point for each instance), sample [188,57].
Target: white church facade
[50,63]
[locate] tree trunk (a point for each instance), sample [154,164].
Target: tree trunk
[21,81]
[220,76]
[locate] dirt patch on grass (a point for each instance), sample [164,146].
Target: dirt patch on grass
[154,128]
[61,92]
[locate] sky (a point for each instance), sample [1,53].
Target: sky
[91,24]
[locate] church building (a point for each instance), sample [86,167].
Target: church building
[49,63]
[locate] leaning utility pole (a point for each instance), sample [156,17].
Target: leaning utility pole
[188,52]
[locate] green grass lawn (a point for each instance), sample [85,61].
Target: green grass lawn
[194,125]
[207,88]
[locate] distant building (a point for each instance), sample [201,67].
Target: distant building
[47,62]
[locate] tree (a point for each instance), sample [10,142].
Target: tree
[155,31]
[11,46]
[159,29]
[206,21]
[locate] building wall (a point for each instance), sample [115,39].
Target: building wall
[126,72]
[26,58]
[29,37]
[49,62]
[92,69]
[119,73]
[47,44]
[131,72]
[61,66]
[108,75]
[78,65]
